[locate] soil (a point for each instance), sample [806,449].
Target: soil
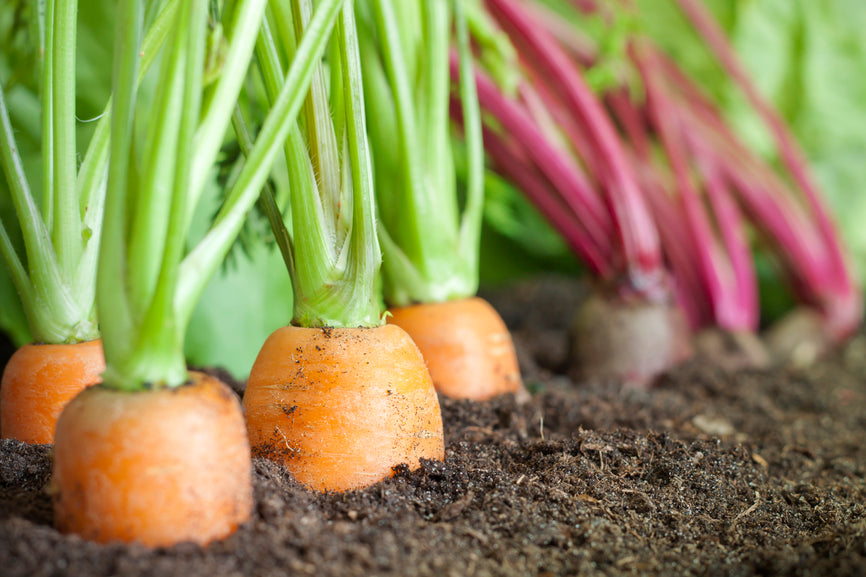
[711,472]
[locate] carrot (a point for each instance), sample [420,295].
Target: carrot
[340,397]
[468,349]
[38,382]
[159,467]
[342,407]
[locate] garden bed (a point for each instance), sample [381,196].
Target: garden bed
[710,473]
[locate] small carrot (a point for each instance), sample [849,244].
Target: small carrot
[158,467]
[467,346]
[341,407]
[430,246]
[340,397]
[38,382]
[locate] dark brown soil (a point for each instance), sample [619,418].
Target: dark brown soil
[711,473]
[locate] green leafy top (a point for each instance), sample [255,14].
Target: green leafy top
[333,255]
[430,248]
[147,286]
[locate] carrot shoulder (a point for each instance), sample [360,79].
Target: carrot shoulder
[468,349]
[158,467]
[342,406]
[39,380]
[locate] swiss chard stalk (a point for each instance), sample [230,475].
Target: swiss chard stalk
[715,225]
[561,85]
[701,227]
[552,136]
[825,281]
[784,204]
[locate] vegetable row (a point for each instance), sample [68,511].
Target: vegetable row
[387,117]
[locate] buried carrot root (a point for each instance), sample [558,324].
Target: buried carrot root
[158,467]
[39,381]
[468,349]
[341,407]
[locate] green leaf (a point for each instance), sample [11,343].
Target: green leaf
[242,304]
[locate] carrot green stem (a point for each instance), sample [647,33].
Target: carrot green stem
[470,226]
[53,313]
[47,102]
[161,335]
[119,330]
[144,325]
[203,260]
[67,232]
[57,280]
[267,202]
[217,115]
[335,252]
[430,248]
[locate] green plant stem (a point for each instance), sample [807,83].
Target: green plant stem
[92,169]
[470,227]
[67,233]
[430,247]
[91,175]
[160,337]
[152,203]
[53,315]
[267,201]
[118,326]
[209,136]
[365,256]
[315,255]
[336,253]
[201,262]
[47,104]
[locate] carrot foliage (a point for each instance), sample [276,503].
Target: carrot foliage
[148,283]
[331,249]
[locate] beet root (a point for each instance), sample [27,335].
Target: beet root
[631,341]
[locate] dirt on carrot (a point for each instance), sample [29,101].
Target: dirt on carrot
[468,349]
[743,473]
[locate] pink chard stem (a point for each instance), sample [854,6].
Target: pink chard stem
[637,232]
[838,296]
